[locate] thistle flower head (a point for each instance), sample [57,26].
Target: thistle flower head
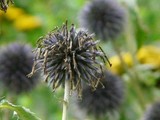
[153,113]
[68,55]
[16,62]
[103,17]
[4,4]
[103,100]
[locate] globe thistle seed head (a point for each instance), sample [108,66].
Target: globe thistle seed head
[68,55]
[153,113]
[16,62]
[105,18]
[4,4]
[103,100]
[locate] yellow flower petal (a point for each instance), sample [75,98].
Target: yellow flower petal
[128,59]
[13,13]
[149,55]
[1,13]
[116,63]
[27,22]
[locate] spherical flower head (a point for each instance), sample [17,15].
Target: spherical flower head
[68,55]
[153,113]
[4,4]
[105,18]
[103,100]
[16,62]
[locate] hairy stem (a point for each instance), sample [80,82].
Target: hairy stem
[65,100]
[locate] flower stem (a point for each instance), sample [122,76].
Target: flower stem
[65,100]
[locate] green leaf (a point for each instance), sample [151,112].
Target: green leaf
[23,113]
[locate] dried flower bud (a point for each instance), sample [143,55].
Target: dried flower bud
[105,18]
[4,4]
[103,100]
[68,55]
[16,62]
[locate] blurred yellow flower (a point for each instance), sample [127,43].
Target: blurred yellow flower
[13,13]
[1,13]
[27,22]
[116,63]
[145,55]
[149,55]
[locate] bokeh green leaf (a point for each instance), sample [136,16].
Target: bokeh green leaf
[22,112]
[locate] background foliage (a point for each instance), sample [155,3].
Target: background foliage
[26,21]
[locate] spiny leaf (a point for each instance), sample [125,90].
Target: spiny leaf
[23,113]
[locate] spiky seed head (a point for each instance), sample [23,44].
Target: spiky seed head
[68,55]
[4,4]
[16,62]
[105,18]
[153,112]
[103,100]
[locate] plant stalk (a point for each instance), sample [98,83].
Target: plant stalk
[65,100]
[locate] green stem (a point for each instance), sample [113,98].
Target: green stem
[132,47]
[132,75]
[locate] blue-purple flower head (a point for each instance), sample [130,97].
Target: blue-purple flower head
[153,112]
[105,18]
[65,54]
[103,100]
[16,62]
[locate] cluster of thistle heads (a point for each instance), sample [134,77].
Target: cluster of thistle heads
[4,4]
[66,54]
[106,19]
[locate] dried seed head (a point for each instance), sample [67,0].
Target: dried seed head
[68,55]
[4,4]
[153,113]
[103,100]
[105,18]
[16,62]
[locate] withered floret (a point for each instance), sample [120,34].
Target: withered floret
[4,4]
[69,55]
